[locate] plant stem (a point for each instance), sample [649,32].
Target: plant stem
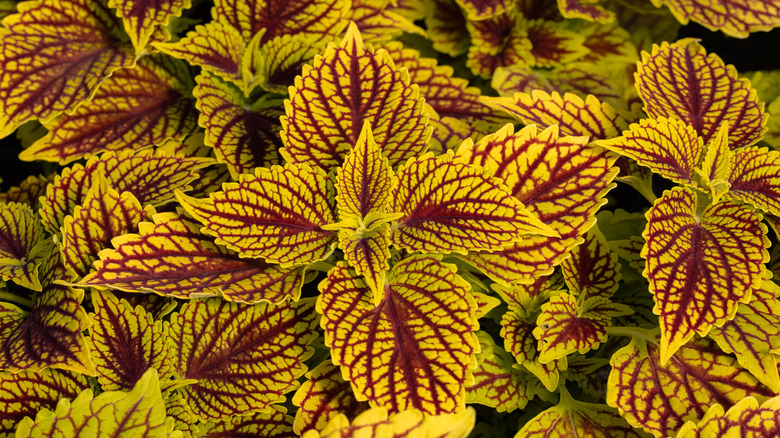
[16,299]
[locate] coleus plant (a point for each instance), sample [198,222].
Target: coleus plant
[281,219]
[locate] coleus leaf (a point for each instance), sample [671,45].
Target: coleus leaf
[576,179]
[745,419]
[680,80]
[242,137]
[448,95]
[607,84]
[519,340]
[142,18]
[134,108]
[171,257]
[365,181]
[348,86]
[105,214]
[152,177]
[277,62]
[25,393]
[321,17]
[376,423]
[54,56]
[183,420]
[553,44]
[322,397]
[449,206]
[586,10]
[717,163]
[113,413]
[477,10]
[366,247]
[753,178]
[659,398]
[578,419]
[592,270]
[378,22]
[754,335]
[734,18]
[21,238]
[412,350]
[273,424]
[503,43]
[566,325]
[498,382]
[216,47]
[572,114]
[276,214]
[700,267]
[445,24]
[50,335]
[669,147]
[126,342]
[607,42]
[244,357]
[28,191]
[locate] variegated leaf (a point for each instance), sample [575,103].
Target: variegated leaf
[745,419]
[734,18]
[152,177]
[276,63]
[520,341]
[105,214]
[498,382]
[445,24]
[25,393]
[171,257]
[276,214]
[592,270]
[21,238]
[348,86]
[669,147]
[659,397]
[126,342]
[244,358]
[754,335]
[572,114]
[572,418]
[378,22]
[134,108]
[754,178]
[326,18]
[562,180]
[273,424]
[322,397]
[142,18]
[700,266]
[412,350]
[448,206]
[113,413]
[54,56]
[49,336]
[242,137]
[376,423]
[681,80]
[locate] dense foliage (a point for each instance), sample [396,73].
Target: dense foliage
[388,218]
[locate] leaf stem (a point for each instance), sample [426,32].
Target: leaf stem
[16,299]
[633,332]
